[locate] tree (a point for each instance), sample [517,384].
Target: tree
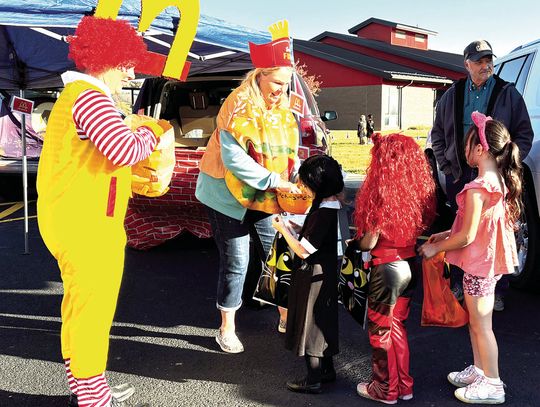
[312,81]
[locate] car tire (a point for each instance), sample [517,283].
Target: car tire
[528,243]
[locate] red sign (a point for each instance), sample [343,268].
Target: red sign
[21,105]
[296,103]
[303,152]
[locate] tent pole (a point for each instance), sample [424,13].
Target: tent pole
[24,178]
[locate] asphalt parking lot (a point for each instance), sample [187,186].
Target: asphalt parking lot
[163,337]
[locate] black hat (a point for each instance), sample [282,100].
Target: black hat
[477,49]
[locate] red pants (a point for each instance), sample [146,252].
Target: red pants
[387,312]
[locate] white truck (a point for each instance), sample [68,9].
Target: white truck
[522,67]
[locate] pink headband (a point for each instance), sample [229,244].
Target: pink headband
[480,120]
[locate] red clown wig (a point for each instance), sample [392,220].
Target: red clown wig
[397,198]
[100,44]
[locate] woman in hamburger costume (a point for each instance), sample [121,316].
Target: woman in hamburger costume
[250,156]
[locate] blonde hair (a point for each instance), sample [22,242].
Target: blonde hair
[251,83]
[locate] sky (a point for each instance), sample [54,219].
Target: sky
[505,24]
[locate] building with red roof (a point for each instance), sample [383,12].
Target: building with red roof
[381,68]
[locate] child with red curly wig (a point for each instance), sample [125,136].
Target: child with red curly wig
[394,206]
[84,183]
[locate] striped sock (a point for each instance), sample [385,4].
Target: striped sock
[94,392]
[72,382]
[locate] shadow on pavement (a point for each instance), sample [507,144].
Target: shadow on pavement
[10,399]
[166,320]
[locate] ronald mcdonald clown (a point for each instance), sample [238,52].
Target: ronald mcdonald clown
[84,183]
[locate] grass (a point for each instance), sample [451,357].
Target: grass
[353,157]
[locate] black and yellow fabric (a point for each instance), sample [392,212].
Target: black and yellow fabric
[353,281]
[275,279]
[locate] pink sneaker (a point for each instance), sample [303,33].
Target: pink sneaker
[481,391]
[362,390]
[463,378]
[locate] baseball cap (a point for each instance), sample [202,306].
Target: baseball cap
[477,49]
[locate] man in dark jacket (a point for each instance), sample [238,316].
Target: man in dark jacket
[489,94]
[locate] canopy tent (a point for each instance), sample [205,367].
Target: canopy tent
[32,53]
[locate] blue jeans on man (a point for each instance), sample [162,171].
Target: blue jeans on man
[232,238]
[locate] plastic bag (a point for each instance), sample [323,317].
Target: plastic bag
[440,307]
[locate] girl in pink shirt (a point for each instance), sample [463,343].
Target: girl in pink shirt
[482,243]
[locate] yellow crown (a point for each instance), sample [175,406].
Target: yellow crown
[279,30]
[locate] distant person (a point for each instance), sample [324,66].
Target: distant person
[361,131]
[485,92]
[84,183]
[250,156]
[482,243]
[312,323]
[370,127]
[395,205]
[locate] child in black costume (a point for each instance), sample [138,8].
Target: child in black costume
[312,322]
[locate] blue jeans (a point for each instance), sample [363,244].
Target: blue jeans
[232,238]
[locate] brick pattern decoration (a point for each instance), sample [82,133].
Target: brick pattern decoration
[151,221]
[305,152]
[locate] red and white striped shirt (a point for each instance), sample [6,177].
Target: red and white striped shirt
[97,119]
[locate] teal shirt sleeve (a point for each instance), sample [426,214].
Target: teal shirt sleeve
[244,167]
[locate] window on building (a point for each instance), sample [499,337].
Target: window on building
[401,34]
[419,37]
[390,107]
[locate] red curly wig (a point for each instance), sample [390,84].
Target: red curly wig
[397,198]
[100,44]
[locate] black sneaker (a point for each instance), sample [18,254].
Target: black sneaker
[301,386]
[498,304]
[328,376]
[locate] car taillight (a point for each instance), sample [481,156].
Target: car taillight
[307,129]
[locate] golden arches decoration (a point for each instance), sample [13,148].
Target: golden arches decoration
[150,9]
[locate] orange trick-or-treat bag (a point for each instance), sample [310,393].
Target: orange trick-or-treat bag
[440,307]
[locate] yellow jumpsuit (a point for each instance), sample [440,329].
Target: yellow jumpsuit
[82,201]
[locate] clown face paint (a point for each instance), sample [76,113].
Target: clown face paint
[117,78]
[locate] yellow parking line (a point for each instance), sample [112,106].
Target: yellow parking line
[14,219]
[12,209]
[13,203]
